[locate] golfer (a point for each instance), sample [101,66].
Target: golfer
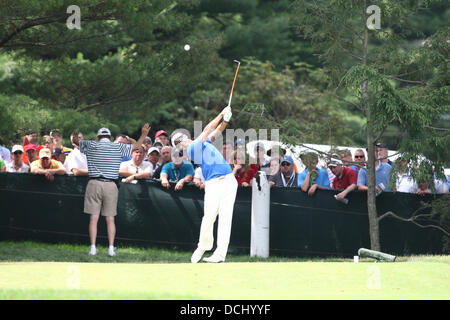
[220,187]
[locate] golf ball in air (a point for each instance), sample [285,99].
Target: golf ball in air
[187,47]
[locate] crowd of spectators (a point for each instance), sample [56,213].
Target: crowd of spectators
[343,171]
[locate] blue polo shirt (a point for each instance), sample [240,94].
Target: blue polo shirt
[381,175]
[208,158]
[321,180]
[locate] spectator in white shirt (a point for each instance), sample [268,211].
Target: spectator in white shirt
[17,164]
[76,162]
[199,180]
[136,168]
[405,183]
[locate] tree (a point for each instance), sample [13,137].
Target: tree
[126,64]
[379,72]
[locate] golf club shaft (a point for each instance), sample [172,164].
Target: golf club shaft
[234,81]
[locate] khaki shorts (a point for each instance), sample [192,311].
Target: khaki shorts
[101,198]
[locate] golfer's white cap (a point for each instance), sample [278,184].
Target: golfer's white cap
[104,132]
[176,138]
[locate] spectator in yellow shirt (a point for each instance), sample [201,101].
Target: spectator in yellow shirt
[46,165]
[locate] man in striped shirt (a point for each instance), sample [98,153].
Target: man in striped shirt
[104,158]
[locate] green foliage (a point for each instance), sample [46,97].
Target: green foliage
[127,65]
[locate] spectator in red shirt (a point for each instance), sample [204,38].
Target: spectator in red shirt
[345,179]
[244,172]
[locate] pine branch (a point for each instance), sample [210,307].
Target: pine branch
[405,80]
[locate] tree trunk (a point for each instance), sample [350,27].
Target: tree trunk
[374,231]
[371,200]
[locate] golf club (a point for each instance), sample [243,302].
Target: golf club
[234,81]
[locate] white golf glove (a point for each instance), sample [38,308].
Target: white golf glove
[227,117]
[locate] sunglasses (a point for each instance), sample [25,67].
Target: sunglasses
[18,152]
[285,164]
[357,157]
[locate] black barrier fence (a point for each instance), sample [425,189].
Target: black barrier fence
[33,208]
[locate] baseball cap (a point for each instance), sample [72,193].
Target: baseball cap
[57,152]
[30,146]
[45,153]
[334,162]
[157,143]
[160,132]
[380,145]
[104,132]
[287,159]
[153,149]
[17,147]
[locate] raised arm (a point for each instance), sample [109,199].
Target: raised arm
[144,134]
[212,129]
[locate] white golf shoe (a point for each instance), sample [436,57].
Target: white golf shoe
[112,251]
[215,258]
[197,255]
[93,251]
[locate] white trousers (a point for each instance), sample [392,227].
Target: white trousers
[220,194]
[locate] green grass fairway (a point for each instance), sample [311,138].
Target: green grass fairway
[420,279]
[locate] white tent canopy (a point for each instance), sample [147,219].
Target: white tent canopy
[296,151]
